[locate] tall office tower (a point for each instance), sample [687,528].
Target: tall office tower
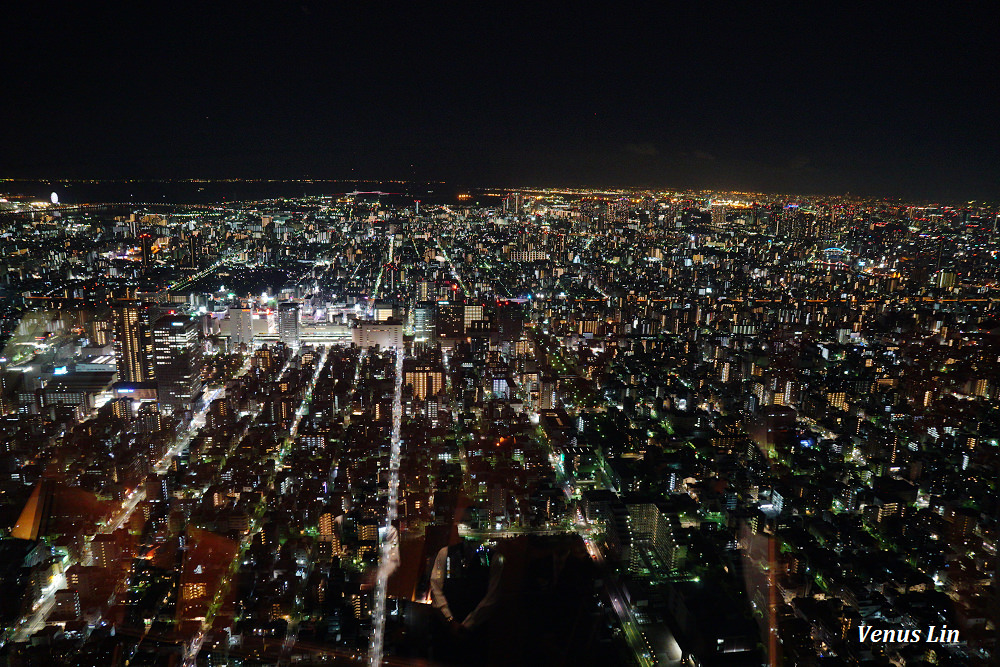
[423,290]
[242,325]
[427,378]
[510,319]
[177,361]
[133,343]
[450,319]
[718,215]
[547,397]
[945,279]
[195,245]
[5,382]
[512,204]
[100,332]
[472,313]
[288,323]
[801,224]
[423,321]
[392,276]
[149,418]
[146,241]
[122,409]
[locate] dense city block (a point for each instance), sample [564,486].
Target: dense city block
[501,427]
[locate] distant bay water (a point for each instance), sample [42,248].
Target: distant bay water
[209,192]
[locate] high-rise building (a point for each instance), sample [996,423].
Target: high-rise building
[101,332]
[288,323]
[473,313]
[146,241]
[510,319]
[427,379]
[547,398]
[133,343]
[718,212]
[242,325]
[512,205]
[329,535]
[450,319]
[149,419]
[195,249]
[122,408]
[177,361]
[652,528]
[945,279]
[5,381]
[423,321]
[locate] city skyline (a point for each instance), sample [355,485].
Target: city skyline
[498,427]
[488,334]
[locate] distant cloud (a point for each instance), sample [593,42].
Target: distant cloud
[644,148]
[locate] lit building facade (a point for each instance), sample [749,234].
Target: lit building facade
[177,361]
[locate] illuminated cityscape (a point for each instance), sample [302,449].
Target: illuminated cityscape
[490,335]
[677,428]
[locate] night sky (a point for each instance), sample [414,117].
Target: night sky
[806,97]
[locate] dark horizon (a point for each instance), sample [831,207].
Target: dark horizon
[870,101]
[449,190]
